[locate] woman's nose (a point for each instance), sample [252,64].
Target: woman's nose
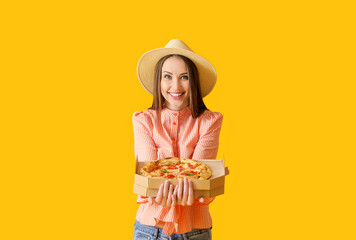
[176,83]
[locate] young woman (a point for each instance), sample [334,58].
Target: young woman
[177,125]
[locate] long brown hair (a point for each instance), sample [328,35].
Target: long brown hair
[196,103]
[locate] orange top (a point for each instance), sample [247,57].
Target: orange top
[176,134]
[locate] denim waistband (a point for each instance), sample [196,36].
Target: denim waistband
[158,232]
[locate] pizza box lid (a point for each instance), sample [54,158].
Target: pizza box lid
[216,181]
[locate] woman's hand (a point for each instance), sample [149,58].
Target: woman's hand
[184,193]
[168,195]
[164,195]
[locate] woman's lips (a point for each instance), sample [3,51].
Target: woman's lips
[176,95]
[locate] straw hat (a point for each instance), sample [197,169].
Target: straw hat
[147,63]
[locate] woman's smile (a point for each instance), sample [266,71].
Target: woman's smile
[176,95]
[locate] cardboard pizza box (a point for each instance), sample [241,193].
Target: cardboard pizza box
[212,187]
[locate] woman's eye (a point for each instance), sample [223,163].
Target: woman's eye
[184,77]
[167,76]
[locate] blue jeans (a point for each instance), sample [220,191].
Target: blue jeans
[145,232]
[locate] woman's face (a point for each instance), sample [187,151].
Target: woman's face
[175,83]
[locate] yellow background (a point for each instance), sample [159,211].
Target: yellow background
[286,75]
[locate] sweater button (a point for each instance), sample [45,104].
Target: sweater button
[174,123]
[175,114]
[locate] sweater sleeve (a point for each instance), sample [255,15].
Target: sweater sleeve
[145,147]
[141,199]
[207,146]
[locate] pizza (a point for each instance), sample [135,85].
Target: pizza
[176,168]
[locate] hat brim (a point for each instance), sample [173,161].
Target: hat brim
[147,63]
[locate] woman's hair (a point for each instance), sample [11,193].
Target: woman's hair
[196,103]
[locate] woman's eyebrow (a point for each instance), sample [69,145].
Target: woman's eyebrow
[171,73]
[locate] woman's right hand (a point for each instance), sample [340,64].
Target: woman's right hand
[164,195]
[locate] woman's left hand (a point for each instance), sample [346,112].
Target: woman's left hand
[183,193]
